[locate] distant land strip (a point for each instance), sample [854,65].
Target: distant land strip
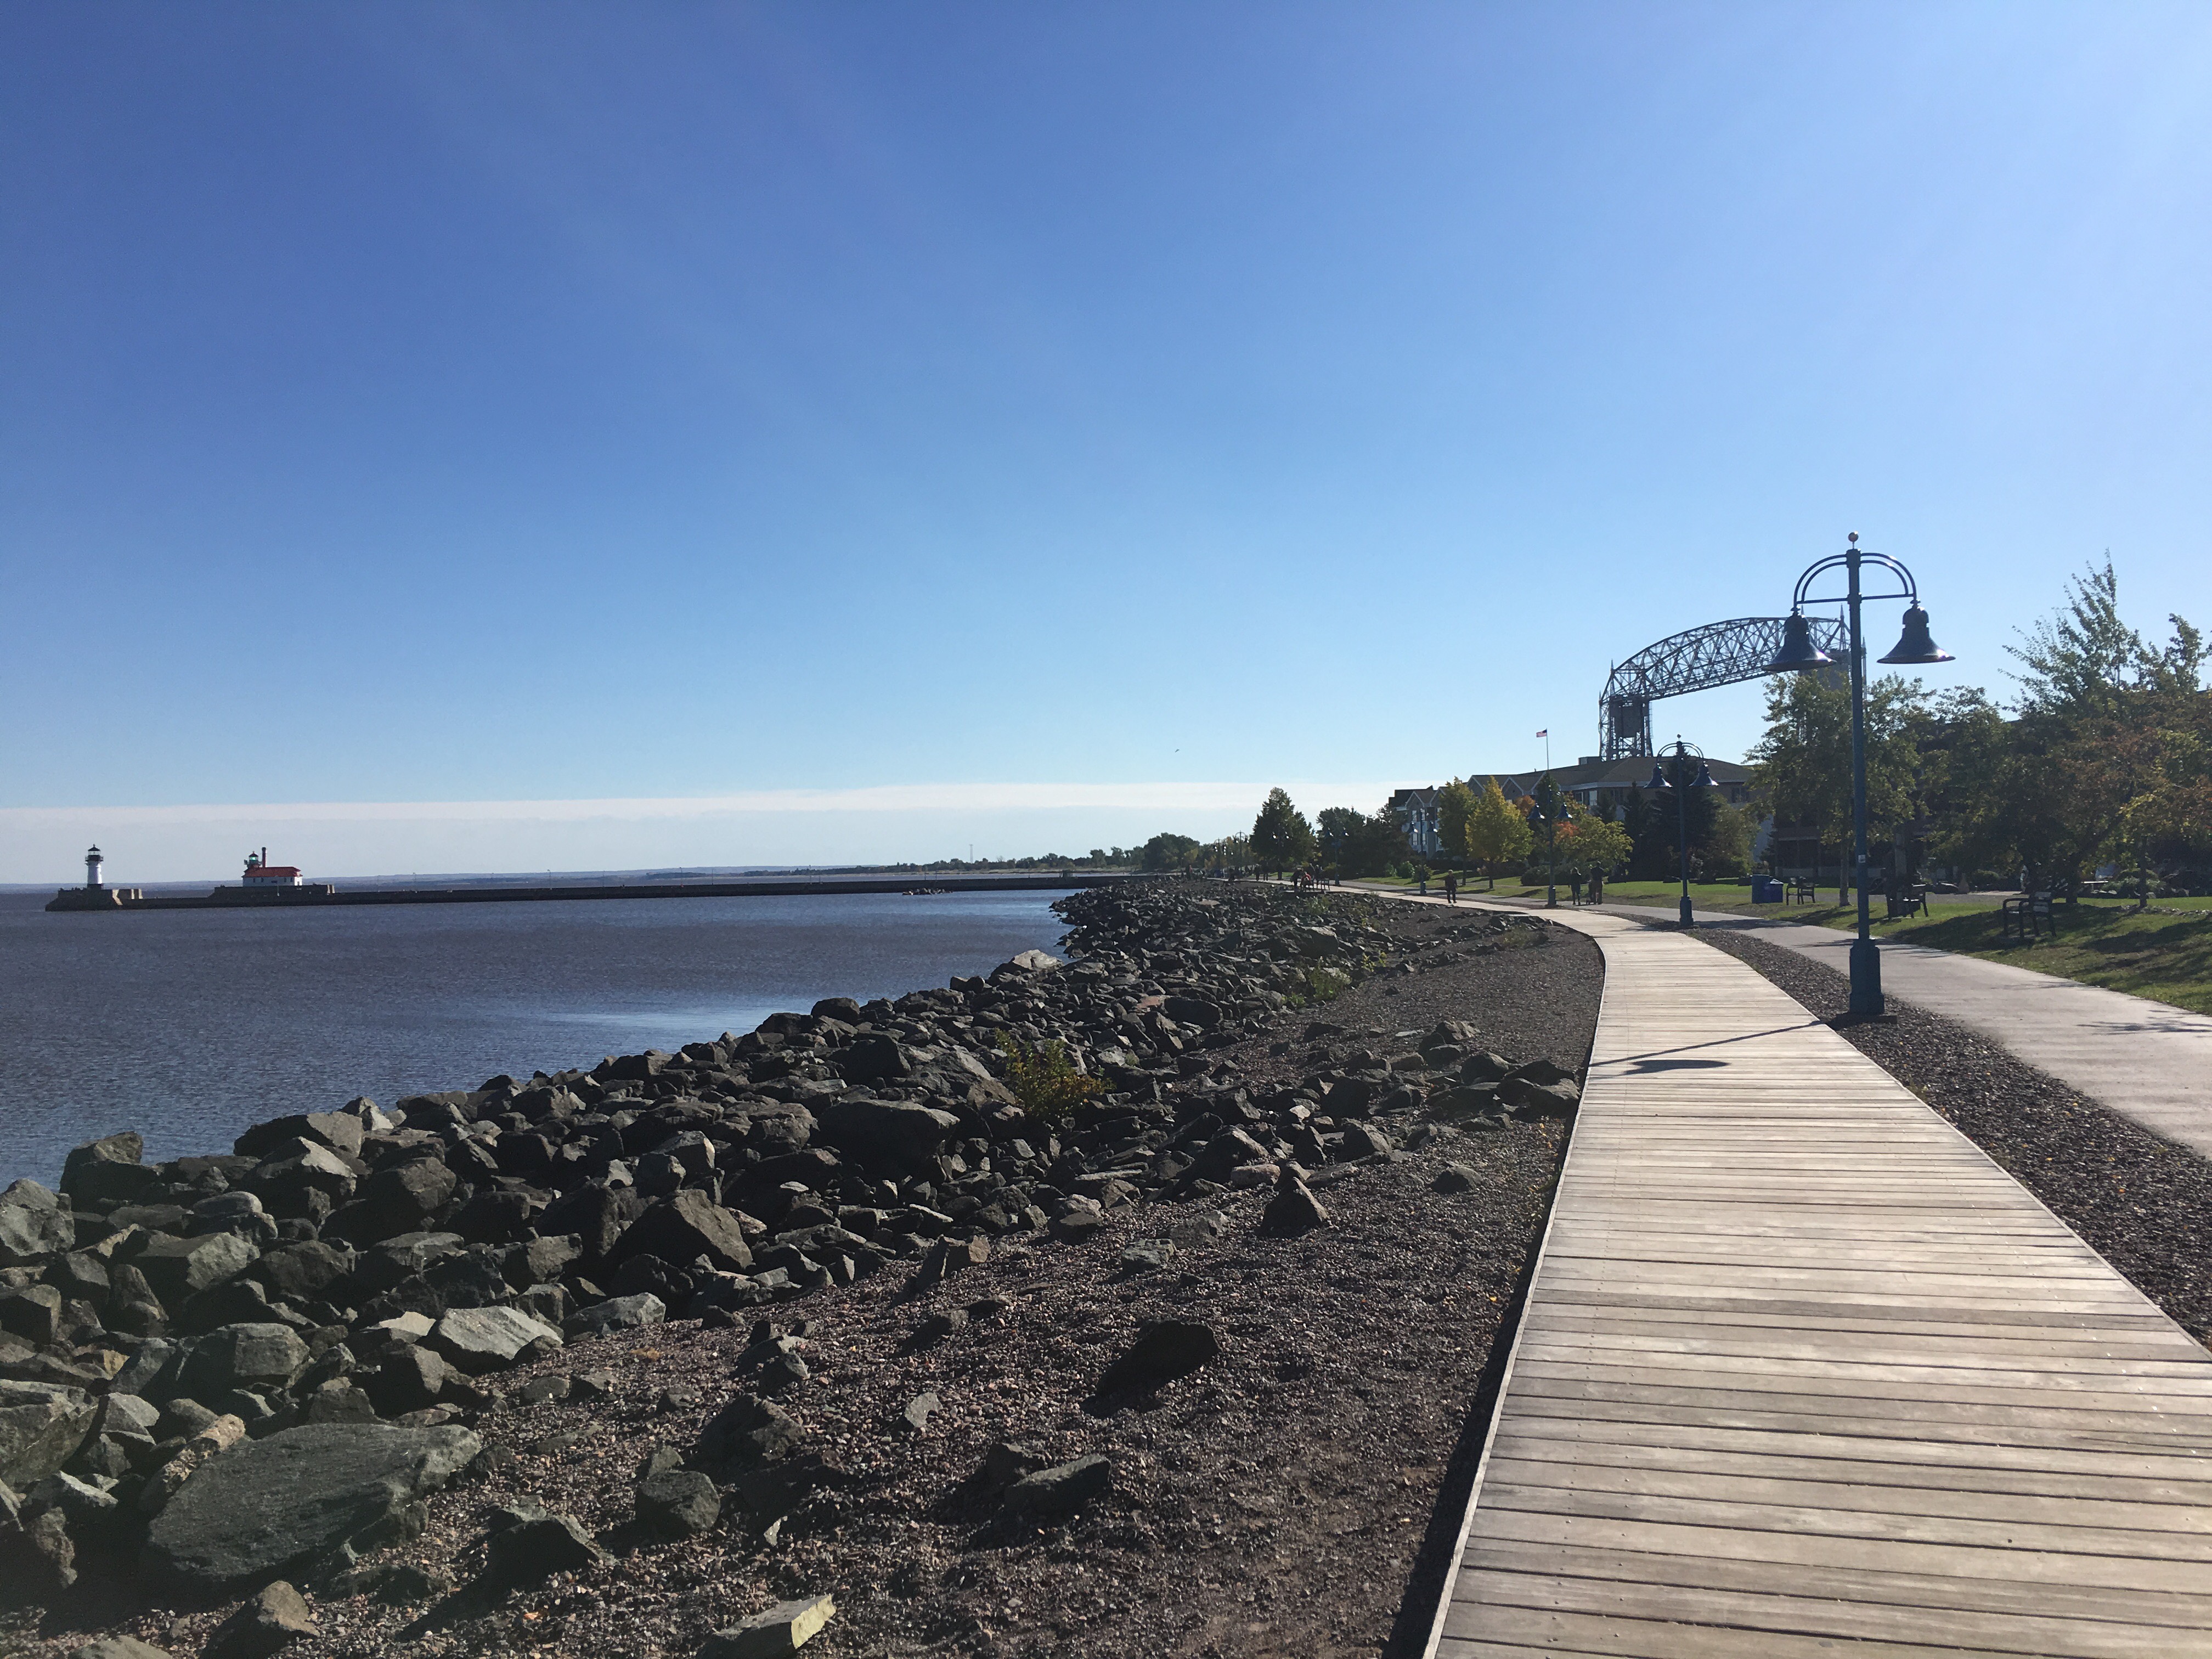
[506,894]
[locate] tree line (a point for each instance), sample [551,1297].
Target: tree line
[2101,761]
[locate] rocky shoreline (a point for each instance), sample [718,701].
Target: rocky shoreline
[934,1307]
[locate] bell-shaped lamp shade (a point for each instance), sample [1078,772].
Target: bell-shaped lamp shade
[1798,651]
[1704,778]
[1915,646]
[1659,779]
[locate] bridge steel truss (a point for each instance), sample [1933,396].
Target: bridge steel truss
[1718,653]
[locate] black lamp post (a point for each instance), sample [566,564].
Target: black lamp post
[1798,653]
[1550,821]
[1704,780]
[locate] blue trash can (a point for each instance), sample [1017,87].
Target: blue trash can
[1766,890]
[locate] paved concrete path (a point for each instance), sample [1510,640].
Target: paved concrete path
[2149,1061]
[1802,1371]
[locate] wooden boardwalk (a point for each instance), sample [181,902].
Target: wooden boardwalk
[1802,1371]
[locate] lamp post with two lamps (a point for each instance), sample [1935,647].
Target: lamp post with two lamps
[1799,653]
[1683,751]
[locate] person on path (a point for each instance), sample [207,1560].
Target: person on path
[1424,873]
[1574,888]
[1451,887]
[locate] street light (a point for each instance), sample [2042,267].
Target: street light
[1550,821]
[1798,653]
[1703,781]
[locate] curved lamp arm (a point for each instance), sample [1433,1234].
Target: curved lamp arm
[1799,600]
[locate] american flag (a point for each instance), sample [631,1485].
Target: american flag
[1544,733]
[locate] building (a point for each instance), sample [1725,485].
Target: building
[1595,782]
[1415,813]
[95,894]
[259,873]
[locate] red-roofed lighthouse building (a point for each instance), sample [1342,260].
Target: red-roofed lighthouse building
[259,873]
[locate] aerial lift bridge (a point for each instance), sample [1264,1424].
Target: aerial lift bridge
[1719,653]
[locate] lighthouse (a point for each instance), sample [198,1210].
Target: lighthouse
[93,860]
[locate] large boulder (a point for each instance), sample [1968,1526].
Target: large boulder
[264,1507]
[873,1057]
[176,1269]
[397,1199]
[41,1426]
[303,1270]
[477,1340]
[596,1213]
[109,1168]
[250,1356]
[32,1224]
[886,1135]
[683,1226]
[342,1132]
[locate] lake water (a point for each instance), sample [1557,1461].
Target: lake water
[189,1025]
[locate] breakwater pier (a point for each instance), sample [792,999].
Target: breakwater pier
[317,896]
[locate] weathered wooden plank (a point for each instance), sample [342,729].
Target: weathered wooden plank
[1802,1367]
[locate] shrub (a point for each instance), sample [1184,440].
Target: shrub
[1045,1080]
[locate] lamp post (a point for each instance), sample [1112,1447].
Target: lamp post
[1799,653]
[1704,780]
[1550,821]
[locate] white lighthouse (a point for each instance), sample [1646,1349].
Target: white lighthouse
[93,860]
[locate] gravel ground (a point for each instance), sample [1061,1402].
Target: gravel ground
[2142,1202]
[1297,1496]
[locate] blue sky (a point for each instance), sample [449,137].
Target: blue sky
[505,404]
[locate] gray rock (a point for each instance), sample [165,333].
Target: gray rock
[478,1339]
[109,1168]
[269,1506]
[748,1431]
[596,1214]
[531,1552]
[40,1554]
[620,1313]
[177,1269]
[682,1227]
[395,1583]
[678,1504]
[118,1647]
[342,1132]
[397,1199]
[873,1057]
[255,1356]
[1454,1178]
[1008,1462]
[887,1135]
[919,1411]
[1529,1098]
[1293,1210]
[1051,1493]
[32,1231]
[782,1629]
[1364,1140]
[1147,1255]
[299,1271]
[41,1426]
[132,1308]
[274,1616]
[412,1379]
[1161,1353]
[32,1312]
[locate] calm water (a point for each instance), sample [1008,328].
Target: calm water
[188,1025]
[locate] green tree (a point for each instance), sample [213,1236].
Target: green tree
[1495,832]
[1590,841]
[1168,851]
[1455,808]
[1337,830]
[1802,763]
[1281,837]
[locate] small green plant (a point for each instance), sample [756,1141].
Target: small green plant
[1045,1080]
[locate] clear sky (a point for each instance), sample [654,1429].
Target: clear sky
[617,403]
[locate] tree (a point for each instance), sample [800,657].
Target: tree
[1337,830]
[1496,833]
[1589,840]
[1454,807]
[1802,763]
[1168,851]
[1281,837]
